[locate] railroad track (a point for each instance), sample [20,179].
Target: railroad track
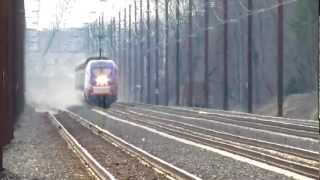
[303,129]
[91,163]
[166,170]
[229,114]
[296,160]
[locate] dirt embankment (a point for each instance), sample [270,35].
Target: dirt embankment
[301,106]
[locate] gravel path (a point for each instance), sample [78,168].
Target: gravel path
[204,164]
[39,152]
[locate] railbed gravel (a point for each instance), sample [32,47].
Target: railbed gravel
[118,163]
[39,152]
[202,163]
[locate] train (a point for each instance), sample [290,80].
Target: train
[97,78]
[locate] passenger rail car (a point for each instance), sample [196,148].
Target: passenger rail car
[97,78]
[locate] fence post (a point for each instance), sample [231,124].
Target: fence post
[178,53]
[206,46]
[280,58]
[250,7]
[190,56]
[157,53]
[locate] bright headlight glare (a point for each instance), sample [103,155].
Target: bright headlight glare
[102,80]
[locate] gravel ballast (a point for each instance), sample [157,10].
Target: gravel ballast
[203,163]
[39,152]
[121,165]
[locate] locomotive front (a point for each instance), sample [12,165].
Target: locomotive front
[101,82]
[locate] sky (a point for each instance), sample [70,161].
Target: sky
[70,13]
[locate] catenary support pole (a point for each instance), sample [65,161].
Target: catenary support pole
[130,58]
[206,53]
[178,52]
[166,53]
[249,54]
[190,56]
[148,54]
[225,57]
[157,91]
[141,56]
[135,56]
[280,58]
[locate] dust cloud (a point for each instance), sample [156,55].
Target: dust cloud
[50,83]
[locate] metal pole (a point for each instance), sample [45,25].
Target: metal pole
[129,59]
[135,61]
[317,59]
[250,6]
[111,39]
[99,36]
[141,56]
[190,57]
[119,56]
[225,56]
[178,53]
[166,53]
[148,55]
[280,58]
[125,80]
[157,53]
[206,50]
[114,39]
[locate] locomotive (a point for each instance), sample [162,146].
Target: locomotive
[97,78]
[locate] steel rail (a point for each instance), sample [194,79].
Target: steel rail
[296,167]
[306,154]
[299,131]
[206,111]
[287,128]
[93,165]
[159,165]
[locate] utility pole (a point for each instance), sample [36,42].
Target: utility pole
[190,56]
[157,52]
[249,54]
[178,53]
[225,57]
[206,51]
[166,53]
[280,58]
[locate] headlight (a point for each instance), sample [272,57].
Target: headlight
[102,80]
